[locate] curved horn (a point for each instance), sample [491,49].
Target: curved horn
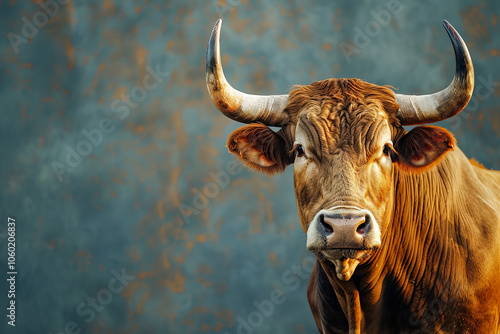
[237,105]
[419,109]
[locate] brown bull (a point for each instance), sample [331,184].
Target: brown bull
[405,229]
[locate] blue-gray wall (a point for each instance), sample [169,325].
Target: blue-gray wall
[130,201]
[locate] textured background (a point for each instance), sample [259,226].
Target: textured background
[133,203]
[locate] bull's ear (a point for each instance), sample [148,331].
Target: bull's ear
[423,147]
[260,148]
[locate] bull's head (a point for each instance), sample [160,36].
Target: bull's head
[346,141]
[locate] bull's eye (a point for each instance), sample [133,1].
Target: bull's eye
[300,151]
[387,149]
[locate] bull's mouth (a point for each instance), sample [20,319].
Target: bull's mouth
[333,254]
[345,260]
[345,236]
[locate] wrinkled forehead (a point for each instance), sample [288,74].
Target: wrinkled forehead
[328,126]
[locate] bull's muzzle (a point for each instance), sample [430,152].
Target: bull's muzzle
[343,228]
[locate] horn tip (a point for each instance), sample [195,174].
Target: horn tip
[212,49]
[216,30]
[217,24]
[452,32]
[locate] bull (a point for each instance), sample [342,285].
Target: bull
[405,229]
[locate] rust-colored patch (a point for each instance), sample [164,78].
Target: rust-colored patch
[109,6]
[304,33]
[226,59]
[141,55]
[181,137]
[170,45]
[262,27]
[255,224]
[239,25]
[173,192]
[23,113]
[189,322]
[137,10]
[285,44]
[49,99]
[52,244]
[146,274]
[199,309]
[93,86]
[218,326]
[145,296]
[164,260]
[177,285]
[70,7]
[136,257]
[70,53]
[494,118]
[273,258]
[201,238]
[159,210]
[475,24]
[227,316]
[130,290]
[327,46]
[494,53]
[163,233]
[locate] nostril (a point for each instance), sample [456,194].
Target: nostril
[327,229]
[362,227]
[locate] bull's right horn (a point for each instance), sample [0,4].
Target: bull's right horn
[237,105]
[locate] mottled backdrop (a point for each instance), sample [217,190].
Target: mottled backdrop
[131,217]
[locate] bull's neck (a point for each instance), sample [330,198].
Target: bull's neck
[426,229]
[429,241]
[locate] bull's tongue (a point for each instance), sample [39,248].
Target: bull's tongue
[345,268]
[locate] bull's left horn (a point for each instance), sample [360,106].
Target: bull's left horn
[419,109]
[237,105]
